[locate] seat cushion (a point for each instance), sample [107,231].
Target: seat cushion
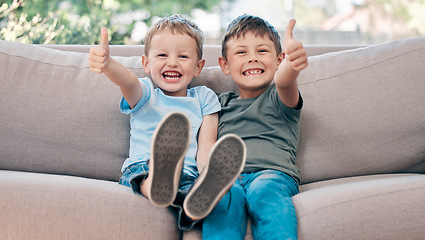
[383,207]
[42,206]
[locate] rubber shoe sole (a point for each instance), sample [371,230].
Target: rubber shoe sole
[225,164]
[170,143]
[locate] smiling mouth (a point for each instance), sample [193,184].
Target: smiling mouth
[253,72]
[171,75]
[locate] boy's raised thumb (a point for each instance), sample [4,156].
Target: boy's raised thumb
[289,29]
[104,41]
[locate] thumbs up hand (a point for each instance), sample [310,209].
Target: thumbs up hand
[294,51]
[99,55]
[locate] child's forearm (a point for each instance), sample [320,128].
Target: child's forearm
[119,74]
[125,79]
[285,76]
[287,85]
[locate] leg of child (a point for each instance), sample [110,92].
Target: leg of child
[145,187]
[183,221]
[270,206]
[225,164]
[228,219]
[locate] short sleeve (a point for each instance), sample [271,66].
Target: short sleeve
[147,91]
[290,114]
[209,101]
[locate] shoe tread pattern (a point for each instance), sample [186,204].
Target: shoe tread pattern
[169,147]
[223,170]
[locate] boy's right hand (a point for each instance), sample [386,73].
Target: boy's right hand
[99,55]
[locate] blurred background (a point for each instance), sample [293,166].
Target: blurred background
[324,22]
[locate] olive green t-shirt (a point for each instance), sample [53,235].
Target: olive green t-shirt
[268,127]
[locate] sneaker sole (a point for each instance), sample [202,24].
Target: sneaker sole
[226,162]
[170,143]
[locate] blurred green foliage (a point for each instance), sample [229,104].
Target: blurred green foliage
[80,21]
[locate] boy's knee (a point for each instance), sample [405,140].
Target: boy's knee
[235,197]
[269,186]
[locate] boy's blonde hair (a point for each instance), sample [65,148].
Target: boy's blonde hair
[248,23]
[176,24]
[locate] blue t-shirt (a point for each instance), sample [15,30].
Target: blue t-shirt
[153,106]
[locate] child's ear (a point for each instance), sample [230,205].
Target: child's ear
[280,58]
[145,62]
[224,65]
[199,67]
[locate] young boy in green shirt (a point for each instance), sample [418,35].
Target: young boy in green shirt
[266,116]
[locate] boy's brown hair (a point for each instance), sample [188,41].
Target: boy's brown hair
[248,23]
[176,24]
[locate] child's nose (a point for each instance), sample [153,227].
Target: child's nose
[172,62]
[253,58]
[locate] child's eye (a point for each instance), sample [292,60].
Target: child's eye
[240,52]
[184,56]
[162,55]
[263,51]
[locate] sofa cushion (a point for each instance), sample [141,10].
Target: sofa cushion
[363,112]
[58,117]
[389,207]
[357,208]
[46,206]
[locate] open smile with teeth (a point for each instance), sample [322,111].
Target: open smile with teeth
[171,75]
[252,72]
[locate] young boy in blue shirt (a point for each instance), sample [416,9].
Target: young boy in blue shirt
[266,116]
[168,148]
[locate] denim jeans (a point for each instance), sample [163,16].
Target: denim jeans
[136,173]
[265,197]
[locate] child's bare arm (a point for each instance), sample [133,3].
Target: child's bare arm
[295,60]
[101,62]
[206,139]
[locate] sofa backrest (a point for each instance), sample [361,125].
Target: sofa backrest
[58,117]
[363,111]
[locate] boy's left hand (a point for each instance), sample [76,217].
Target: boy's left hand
[294,51]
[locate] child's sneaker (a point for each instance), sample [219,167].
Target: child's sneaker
[170,143]
[225,164]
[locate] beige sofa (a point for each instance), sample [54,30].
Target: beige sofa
[63,141]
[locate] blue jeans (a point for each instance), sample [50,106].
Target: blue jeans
[265,197]
[136,173]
